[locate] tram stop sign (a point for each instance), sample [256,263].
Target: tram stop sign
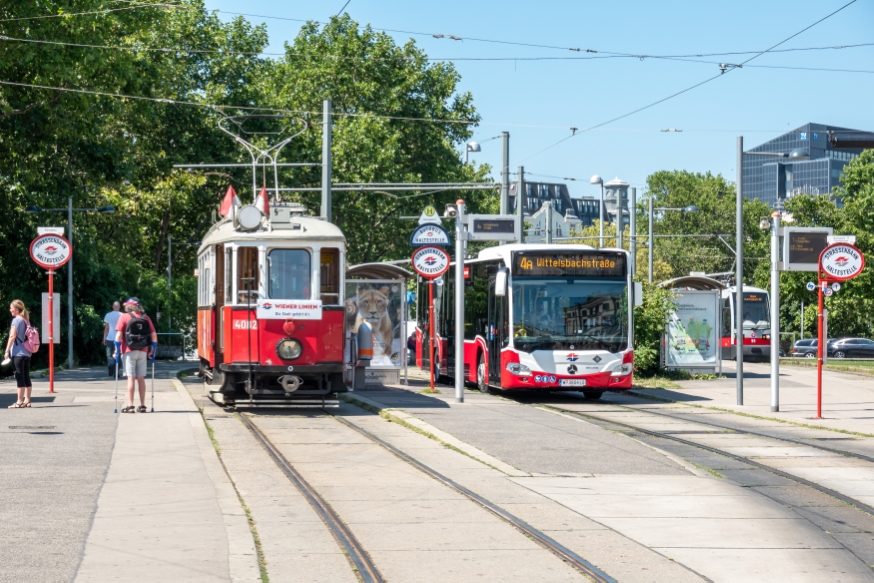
[50,251]
[430,262]
[841,261]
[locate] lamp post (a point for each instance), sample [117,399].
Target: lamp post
[688,209]
[598,180]
[471,147]
[69,210]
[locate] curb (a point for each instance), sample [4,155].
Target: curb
[438,435]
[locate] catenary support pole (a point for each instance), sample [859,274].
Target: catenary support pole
[775,313]
[632,233]
[739,272]
[460,235]
[650,242]
[549,219]
[520,204]
[819,351]
[169,279]
[802,320]
[326,160]
[70,288]
[601,226]
[619,218]
[505,172]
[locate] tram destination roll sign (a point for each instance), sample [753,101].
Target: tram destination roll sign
[50,251]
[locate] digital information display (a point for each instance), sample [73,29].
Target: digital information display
[492,227]
[579,264]
[802,246]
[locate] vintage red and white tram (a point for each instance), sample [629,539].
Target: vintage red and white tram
[543,317]
[270,323]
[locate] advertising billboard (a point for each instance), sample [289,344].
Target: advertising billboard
[691,330]
[380,304]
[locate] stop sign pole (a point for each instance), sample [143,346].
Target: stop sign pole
[51,251]
[838,262]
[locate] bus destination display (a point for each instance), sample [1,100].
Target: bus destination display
[581,264]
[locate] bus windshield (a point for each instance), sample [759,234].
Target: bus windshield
[756,311]
[567,314]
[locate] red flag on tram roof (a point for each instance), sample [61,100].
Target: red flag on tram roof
[230,203]
[261,201]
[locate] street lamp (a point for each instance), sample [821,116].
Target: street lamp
[69,210]
[598,180]
[688,209]
[471,147]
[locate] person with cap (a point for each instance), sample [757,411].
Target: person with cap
[136,341]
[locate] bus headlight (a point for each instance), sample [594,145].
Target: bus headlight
[518,369]
[623,370]
[289,349]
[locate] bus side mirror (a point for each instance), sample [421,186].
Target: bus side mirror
[501,282]
[638,293]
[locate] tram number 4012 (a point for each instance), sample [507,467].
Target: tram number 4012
[245,324]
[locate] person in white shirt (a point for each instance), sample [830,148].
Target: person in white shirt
[110,320]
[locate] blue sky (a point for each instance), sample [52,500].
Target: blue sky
[538,101]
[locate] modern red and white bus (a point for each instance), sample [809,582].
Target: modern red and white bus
[544,317]
[756,323]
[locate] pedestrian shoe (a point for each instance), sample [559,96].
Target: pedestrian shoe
[129,409]
[141,409]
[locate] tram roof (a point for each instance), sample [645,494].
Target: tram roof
[505,251]
[299,227]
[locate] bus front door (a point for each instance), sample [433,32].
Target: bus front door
[497,336]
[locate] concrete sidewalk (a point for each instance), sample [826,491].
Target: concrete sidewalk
[166,510]
[847,398]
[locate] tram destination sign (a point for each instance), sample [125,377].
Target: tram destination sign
[841,261]
[578,264]
[802,247]
[492,227]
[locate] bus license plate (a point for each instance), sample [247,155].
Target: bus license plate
[572,382]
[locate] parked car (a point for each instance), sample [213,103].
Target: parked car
[851,348]
[807,347]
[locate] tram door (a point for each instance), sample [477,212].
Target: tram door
[222,271]
[497,336]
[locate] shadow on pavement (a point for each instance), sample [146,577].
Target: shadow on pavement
[392,397]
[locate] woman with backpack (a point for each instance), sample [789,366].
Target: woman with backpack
[19,353]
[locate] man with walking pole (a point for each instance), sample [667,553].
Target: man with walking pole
[135,335]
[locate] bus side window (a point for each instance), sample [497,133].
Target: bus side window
[329,274]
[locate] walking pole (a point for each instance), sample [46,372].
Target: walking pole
[154,354]
[117,351]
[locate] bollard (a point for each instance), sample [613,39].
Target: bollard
[365,354]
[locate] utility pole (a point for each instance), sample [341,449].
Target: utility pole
[520,203]
[170,278]
[548,205]
[505,172]
[650,241]
[460,236]
[775,310]
[326,160]
[739,272]
[70,287]
[632,233]
[619,218]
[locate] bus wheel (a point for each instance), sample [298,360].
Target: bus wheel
[481,382]
[593,395]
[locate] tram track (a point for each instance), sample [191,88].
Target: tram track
[673,437]
[366,568]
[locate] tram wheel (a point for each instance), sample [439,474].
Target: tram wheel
[593,395]
[481,382]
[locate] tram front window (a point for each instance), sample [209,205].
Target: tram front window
[551,314]
[289,274]
[756,311]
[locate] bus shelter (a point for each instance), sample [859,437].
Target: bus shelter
[376,294]
[691,337]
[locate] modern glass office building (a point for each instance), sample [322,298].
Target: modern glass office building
[803,161]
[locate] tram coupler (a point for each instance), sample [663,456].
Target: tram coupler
[365,355]
[290,383]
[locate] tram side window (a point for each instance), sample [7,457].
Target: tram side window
[289,274]
[229,274]
[330,276]
[247,275]
[726,317]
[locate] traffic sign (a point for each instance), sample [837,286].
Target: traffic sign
[429,234]
[851,239]
[811,286]
[429,216]
[50,230]
[50,251]
[836,286]
[841,261]
[430,262]
[828,291]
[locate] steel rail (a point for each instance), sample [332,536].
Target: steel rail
[842,452]
[359,557]
[833,493]
[549,543]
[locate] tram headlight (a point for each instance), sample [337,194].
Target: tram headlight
[518,369]
[289,349]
